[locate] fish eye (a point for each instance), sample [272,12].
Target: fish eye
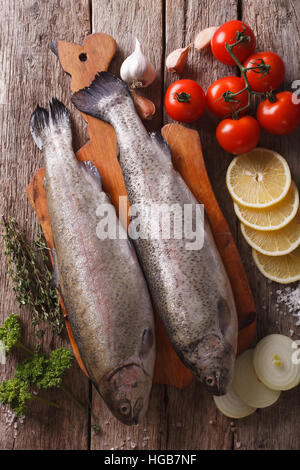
[125,409]
[210,381]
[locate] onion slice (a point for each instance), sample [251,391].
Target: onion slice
[275,364]
[247,386]
[232,406]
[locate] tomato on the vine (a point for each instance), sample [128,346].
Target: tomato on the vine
[264,81]
[229,32]
[238,136]
[281,116]
[185,100]
[215,101]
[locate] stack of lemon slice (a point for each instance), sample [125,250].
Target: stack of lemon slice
[266,201]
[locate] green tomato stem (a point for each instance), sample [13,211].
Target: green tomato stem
[243,70]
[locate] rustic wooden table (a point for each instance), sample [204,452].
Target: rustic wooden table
[31,74]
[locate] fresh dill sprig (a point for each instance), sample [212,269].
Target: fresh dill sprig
[29,267]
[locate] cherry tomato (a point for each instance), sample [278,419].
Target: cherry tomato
[272,79]
[215,101]
[238,135]
[281,117]
[228,33]
[185,100]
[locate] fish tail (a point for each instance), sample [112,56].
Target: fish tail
[44,124]
[102,95]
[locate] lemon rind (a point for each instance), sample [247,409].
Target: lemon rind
[270,228]
[266,205]
[269,276]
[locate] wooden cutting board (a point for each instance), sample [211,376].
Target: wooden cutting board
[82,63]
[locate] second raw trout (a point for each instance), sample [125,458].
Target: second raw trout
[190,288]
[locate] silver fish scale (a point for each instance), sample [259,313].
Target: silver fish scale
[186,286]
[103,288]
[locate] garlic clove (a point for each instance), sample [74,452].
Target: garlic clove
[203,38]
[144,106]
[177,59]
[136,70]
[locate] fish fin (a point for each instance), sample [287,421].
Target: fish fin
[224,315]
[101,95]
[55,273]
[161,144]
[59,114]
[43,122]
[146,344]
[92,171]
[39,121]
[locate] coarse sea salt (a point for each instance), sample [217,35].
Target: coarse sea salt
[290,297]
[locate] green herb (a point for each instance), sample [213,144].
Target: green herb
[16,393]
[37,371]
[29,266]
[10,331]
[46,372]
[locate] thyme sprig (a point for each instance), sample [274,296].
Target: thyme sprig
[30,269]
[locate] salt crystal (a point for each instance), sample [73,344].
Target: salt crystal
[238,445]
[133,445]
[292,332]
[291,299]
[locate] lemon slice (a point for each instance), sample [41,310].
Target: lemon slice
[282,269]
[274,362]
[274,242]
[247,386]
[232,406]
[258,179]
[274,217]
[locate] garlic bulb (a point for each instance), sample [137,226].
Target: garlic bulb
[177,59]
[136,70]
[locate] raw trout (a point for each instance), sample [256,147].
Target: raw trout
[101,282]
[190,288]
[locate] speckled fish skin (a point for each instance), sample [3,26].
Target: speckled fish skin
[190,289]
[102,285]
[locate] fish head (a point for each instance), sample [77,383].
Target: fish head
[126,392]
[213,363]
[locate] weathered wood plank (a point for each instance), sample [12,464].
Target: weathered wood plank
[31,75]
[193,408]
[276,27]
[126,21]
